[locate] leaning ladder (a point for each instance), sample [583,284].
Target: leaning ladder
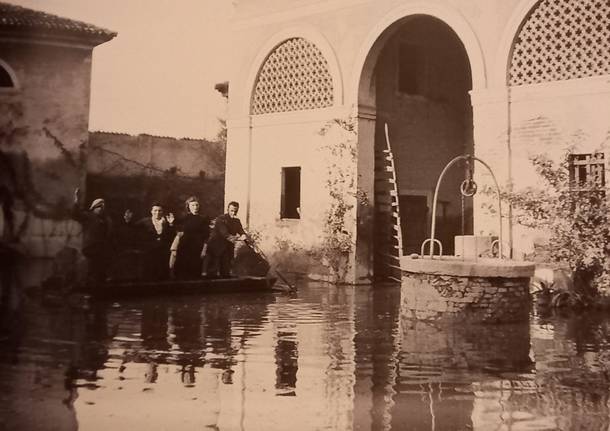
[389,246]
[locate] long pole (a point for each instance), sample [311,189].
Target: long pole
[258,251]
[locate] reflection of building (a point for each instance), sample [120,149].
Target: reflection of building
[336,359]
[42,360]
[254,364]
[569,388]
[505,79]
[45,73]
[308,381]
[439,366]
[345,354]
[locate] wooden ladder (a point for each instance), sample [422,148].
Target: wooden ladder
[388,233]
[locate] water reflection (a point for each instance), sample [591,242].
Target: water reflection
[439,367]
[334,358]
[286,360]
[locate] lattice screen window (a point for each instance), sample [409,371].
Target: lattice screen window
[294,77]
[562,39]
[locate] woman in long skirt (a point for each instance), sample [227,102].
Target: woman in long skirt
[193,232]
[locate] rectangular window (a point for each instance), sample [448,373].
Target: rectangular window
[291,193]
[587,171]
[410,68]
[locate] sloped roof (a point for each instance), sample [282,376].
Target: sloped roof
[23,22]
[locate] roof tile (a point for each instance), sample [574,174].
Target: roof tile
[24,21]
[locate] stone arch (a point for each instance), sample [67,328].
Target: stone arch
[455,137]
[499,74]
[309,34]
[367,55]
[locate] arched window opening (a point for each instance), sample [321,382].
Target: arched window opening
[295,76]
[562,40]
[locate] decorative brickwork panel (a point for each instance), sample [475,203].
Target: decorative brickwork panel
[294,77]
[562,40]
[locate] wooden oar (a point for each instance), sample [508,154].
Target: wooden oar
[258,251]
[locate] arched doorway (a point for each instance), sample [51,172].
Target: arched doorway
[416,79]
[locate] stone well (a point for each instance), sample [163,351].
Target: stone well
[483,290]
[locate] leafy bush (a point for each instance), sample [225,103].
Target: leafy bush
[576,217]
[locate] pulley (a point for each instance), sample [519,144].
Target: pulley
[468,187]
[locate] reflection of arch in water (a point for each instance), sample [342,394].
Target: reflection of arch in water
[377,345]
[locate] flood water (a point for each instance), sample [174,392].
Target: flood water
[326,358]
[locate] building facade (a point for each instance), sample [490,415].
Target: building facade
[45,74]
[503,80]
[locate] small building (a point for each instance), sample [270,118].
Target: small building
[314,83]
[45,74]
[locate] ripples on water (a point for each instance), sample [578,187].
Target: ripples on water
[329,358]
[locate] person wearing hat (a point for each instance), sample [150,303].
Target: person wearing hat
[97,237]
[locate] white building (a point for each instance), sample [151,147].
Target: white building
[500,79]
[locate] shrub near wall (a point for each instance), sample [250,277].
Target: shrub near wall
[576,217]
[338,232]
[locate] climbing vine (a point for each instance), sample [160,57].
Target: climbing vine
[20,193]
[338,240]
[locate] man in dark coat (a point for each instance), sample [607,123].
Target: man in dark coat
[128,262]
[126,232]
[157,234]
[221,245]
[97,237]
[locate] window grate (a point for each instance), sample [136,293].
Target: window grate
[294,77]
[587,171]
[562,40]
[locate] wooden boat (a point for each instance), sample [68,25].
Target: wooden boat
[243,284]
[128,271]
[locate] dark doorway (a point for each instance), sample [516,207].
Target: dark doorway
[422,81]
[413,222]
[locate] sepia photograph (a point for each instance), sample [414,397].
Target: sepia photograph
[340,215]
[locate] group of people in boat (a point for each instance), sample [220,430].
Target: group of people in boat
[184,248]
